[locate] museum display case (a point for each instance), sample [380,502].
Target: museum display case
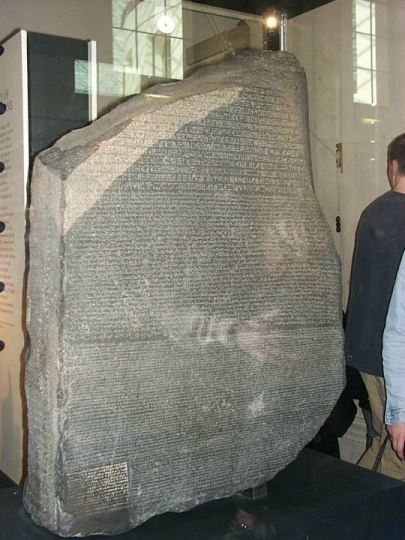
[66,65]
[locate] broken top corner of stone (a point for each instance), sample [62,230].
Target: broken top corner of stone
[249,68]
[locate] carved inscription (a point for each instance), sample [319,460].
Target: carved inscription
[196,293]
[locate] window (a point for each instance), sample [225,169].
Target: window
[364,52]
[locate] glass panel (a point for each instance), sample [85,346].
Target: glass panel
[176,58]
[364,92]
[146,54]
[110,81]
[159,16]
[123,13]
[175,10]
[160,56]
[124,57]
[363,51]
[373,53]
[82,75]
[147,15]
[147,39]
[116,82]
[131,84]
[363,16]
[372,15]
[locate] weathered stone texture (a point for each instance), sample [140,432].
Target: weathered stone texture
[184,300]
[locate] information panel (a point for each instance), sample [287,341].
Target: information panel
[14,164]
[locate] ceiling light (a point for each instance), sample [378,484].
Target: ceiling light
[165,24]
[271,22]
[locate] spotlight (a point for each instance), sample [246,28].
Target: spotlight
[274,25]
[271,22]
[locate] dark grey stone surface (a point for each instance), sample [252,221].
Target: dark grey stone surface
[184,300]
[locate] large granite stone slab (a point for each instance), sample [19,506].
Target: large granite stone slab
[184,300]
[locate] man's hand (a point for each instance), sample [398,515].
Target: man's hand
[397,435]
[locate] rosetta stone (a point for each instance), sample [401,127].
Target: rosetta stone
[184,311]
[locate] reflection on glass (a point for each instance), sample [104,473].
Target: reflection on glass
[250,525]
[123,13]
[147,38]
[113,82]
[364,52]
[124,59]
[165,24]
[150,12]
[82,75]
[156,41]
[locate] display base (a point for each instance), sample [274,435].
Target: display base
[254,493]
[315,497]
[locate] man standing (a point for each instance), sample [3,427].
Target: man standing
[394,364]
[379,245]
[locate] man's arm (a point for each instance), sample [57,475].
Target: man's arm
[394,364]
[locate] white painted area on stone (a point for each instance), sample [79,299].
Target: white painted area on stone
[124,153]
[257,406]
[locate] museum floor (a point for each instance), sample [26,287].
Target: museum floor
[316,497]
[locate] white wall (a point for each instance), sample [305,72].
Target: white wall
[71,18]
[314,39]
[322,40]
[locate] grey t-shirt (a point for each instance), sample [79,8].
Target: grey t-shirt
[380,243]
